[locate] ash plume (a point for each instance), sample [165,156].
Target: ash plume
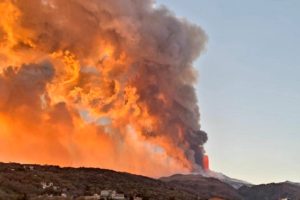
[99,83]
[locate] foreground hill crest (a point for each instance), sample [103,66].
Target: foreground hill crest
[18,181]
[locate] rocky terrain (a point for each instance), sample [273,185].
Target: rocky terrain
[18,181]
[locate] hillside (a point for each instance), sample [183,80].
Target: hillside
[203,186]
[210,186]
[21,182]
[273,191]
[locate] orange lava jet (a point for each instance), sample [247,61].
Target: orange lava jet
[206,162]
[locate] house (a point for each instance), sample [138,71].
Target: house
[94,197]
[111,194]
[105,194]
[46,185]
[118,196]
[64,195]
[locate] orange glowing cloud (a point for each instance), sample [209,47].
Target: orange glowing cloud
[105,84]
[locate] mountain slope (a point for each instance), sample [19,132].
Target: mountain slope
[19,181]
[205,187]
[22,182]
[236,183]
[273,191]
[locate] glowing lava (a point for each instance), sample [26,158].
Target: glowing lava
[206,162]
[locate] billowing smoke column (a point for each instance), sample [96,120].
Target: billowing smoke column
[99,83]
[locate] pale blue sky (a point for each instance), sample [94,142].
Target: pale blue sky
[249,85]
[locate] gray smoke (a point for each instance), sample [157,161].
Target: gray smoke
[160,49]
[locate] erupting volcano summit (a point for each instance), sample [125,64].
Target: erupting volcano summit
[105,84]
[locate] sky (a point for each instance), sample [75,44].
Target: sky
[249,85]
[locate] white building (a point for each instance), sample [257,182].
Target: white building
[118,196]
[107,193]
[111,194]
[94,197]
[46,185]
